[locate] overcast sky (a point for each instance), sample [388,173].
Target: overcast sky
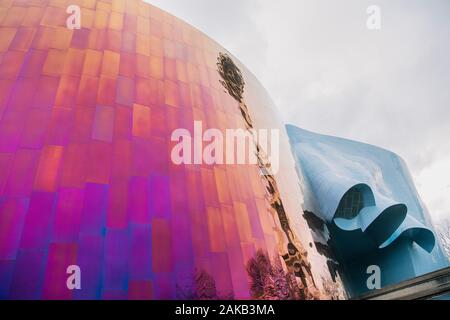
[329,73]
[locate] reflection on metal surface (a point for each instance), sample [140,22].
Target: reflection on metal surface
[268,280]
[294,255]
[200,285]
[372,212]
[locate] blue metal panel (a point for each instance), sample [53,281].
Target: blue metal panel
[392,228]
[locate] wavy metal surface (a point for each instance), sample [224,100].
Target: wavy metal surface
[389,222]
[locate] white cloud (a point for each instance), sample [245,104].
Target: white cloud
[328,73]
[434,187]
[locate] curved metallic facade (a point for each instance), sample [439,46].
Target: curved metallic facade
[366,198]
[86,176]
[88,179]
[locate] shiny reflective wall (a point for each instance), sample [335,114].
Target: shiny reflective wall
[362,203]
[85,171]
